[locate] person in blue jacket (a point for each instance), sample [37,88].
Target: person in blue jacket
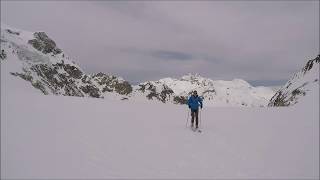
[194,102]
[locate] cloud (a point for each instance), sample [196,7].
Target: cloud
[256,41]
[268,82]
[171,55]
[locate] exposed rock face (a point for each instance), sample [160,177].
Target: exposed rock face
[298,86]
[73,71]
[44,44]
[149,89]
[3,55]
[91,90]
[36,84]
[12,32]
[209,93]
[66,79]
[111,83]
[163,93]
[180,99]
[311,63]
[59,79]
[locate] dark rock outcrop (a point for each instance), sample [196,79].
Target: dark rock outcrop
[59,79]
[44,44]
[36,84]
[180,99]
[12,32]
[3,55]
[91,90]
[310,64]
[163,95]
[111,83]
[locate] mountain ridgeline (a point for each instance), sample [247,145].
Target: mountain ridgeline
[37,59]
[303,82]
[48,69]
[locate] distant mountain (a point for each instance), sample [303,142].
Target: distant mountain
[303,83]
[216,93]
[36,58]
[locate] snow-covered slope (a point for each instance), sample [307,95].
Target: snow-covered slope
[303,83]
[37,59]
[62,137]
[215,93]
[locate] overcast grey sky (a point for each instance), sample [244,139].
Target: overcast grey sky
[263,42]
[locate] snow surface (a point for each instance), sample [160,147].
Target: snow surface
[69,137]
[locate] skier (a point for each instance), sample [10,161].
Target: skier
[194,102]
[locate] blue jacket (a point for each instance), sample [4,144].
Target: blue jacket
[194,102]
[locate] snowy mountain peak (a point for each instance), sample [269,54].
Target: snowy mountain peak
[215,93]
[36,58]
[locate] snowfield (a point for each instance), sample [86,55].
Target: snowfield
[70,137]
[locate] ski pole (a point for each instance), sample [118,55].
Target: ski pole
[200,119]
[187,118]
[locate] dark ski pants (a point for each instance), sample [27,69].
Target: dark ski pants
[194,114]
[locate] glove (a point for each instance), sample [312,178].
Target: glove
[189,107]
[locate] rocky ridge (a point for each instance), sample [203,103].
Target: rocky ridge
[301,83]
